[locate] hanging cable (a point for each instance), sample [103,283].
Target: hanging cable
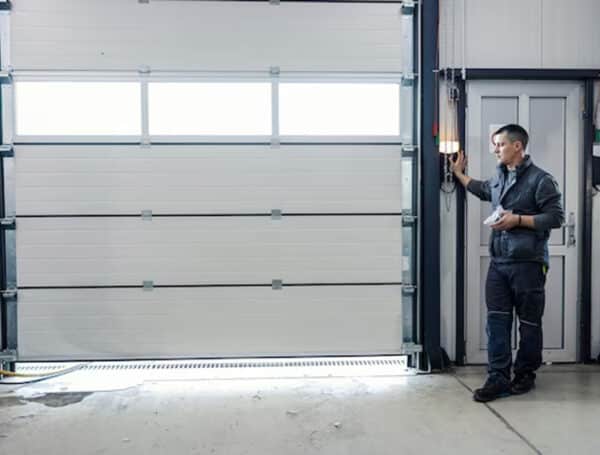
[450,140]
[37,377]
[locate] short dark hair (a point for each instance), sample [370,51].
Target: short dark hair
[514,133]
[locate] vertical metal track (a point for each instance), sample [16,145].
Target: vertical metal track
[8,307]
[430,220]
[460,232]
[409,165]
[586,259]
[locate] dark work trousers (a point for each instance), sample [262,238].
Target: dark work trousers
[515,286]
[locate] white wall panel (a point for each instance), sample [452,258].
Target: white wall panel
[499,34]
[571,34]
[186,35]
[207,179]
[176,250]
[520,33]
[225,322]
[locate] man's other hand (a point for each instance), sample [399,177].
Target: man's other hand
[506,222]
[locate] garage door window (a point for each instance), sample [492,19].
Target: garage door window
[339,109]
[209,109]
[53,108]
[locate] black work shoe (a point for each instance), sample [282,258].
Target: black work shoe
[522,383]
[492,389]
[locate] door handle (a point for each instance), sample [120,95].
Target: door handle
[571,230]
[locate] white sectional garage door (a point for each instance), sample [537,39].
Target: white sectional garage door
[167,231]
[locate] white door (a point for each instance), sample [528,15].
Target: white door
[551,113]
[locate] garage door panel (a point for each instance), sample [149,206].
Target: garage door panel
[349,37]
[184,250]
[201,179]
[129,323]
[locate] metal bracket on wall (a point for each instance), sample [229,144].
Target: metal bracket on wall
[276,214]
[408,220]
[409,4]
[411,348]
[8,224]
[148,285]
[7,151]
[147,215]
[144,70]
[5,77]
[8,355]
[9,294]
[408,150]
[409,289]
[7,358]
[277,285]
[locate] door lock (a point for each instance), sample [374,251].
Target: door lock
[571,230]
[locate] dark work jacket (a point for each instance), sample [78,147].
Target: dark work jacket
[533,192]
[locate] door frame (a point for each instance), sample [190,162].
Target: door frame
[587,77]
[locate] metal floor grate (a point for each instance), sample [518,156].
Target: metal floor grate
[399,362]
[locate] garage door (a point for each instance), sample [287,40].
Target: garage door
[210,179]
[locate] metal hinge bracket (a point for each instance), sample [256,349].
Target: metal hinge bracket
[409,289]
[408,220]
[7,151]
[8,355]
[144,70]
[5,77]
[8,224]
[408,7]
[9,294]
[411,348]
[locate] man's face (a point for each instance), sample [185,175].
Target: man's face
[507,152]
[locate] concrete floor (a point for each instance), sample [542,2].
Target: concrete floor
[352,415]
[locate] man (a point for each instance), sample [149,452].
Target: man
[531,207]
